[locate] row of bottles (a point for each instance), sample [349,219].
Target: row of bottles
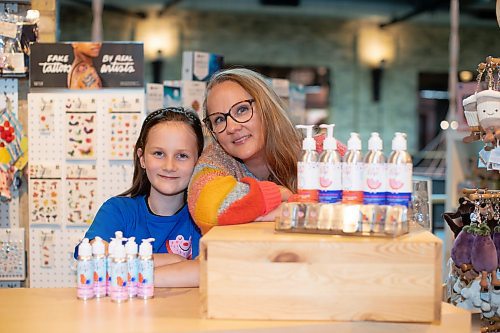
[355,179]
[126,271]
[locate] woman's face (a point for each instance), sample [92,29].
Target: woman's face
[87,48]
[244,141]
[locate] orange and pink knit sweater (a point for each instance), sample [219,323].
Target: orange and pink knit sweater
[223,191]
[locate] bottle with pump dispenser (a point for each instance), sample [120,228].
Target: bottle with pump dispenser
[145,287]
[399,172]
[119,292]
[352,172]
[308,167]
[374,174]
[100,274]
[330,169]
[109,259]
[132,266]
[85,271]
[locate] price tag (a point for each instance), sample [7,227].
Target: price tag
[483,159]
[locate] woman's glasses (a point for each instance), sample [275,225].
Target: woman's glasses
[240,112]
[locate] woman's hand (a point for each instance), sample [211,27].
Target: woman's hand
[285,193]
[271,216]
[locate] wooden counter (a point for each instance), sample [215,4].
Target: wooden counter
[172,310]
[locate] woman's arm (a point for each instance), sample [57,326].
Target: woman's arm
[181,274]
[217,197]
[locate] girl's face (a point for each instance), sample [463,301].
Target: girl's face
[244,141]
[169,157]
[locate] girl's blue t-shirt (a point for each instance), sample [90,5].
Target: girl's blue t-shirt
[173,234]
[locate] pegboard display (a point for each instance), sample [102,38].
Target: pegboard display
[51,263]
[12,255]
[71,137]
[9,210]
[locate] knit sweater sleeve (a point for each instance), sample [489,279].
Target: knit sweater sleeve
[221,194]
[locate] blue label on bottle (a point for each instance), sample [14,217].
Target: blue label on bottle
[402,199]
[330,196]
[374,198]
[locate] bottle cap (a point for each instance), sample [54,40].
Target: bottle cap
[131,246]
[84,249]
[119,251]
[98,246]
[399,141]
[308,143]
[329,143]
[354,142]
[146,249]
[375,142]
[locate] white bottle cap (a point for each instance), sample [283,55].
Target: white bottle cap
[399,141]
[146,249]
[98,246]
[329,143]
[111,247]
[375,142]
[354,142]
[84,249]
[131,246]
[119,251]
[119,236]
[308,143]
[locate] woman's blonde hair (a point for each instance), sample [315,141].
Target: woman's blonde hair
[282,140]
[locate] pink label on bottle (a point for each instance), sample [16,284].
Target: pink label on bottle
[100,288]
[119,293]
[145,291]
[85,291]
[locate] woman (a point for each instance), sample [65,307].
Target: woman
[252,165]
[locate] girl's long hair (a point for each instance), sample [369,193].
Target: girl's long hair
[282,140]
[140,182]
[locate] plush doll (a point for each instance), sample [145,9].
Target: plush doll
[465,208]
[488,112]
[470,111]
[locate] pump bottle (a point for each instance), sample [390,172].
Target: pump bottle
[399,172]
[330,169]
[308,167]
[132,263]
[145,287]
[109,259]
[119,292]
[374,174]
[85,271]
[352,172]
[100,273]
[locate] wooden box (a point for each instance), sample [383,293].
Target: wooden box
[252,272]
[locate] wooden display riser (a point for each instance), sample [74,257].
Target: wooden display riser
[252,272]
[174,310]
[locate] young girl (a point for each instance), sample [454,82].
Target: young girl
[170,142]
